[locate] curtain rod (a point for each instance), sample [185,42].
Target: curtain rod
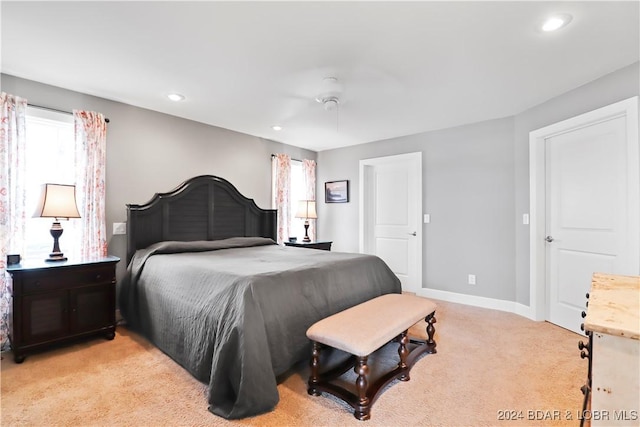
[297,160]
[56,110]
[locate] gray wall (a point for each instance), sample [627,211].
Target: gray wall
[149,152]
[476,188]
[467,175]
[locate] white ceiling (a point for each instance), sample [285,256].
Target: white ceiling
[403,68]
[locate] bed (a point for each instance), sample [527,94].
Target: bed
[207,284]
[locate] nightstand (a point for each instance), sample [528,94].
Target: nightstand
[55,302]
[325,246]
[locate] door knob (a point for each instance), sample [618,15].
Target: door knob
[414,233]
[549,239]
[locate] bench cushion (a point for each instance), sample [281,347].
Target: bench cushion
[364,328]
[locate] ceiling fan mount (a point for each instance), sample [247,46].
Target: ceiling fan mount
[329,103]
[329,97]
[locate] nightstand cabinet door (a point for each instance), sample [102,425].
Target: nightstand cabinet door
[44,317]
[92,308]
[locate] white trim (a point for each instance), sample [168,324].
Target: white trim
[537,193]
[416,156]
[537,209]
[477,301]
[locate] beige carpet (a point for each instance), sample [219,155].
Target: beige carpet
[487,361]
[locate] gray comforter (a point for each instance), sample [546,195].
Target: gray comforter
[234,312]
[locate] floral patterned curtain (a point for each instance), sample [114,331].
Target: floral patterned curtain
[12,196]
[91,148]
[282,174]
[309,170]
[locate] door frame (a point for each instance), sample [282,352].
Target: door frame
[417,156]
[628,108]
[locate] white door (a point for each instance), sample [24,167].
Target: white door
[391,206]
[586,214]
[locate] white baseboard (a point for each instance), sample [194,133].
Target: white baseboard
[476,301]
[524,311]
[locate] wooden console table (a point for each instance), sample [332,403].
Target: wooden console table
[613,319]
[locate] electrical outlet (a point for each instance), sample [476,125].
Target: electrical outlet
[119,228]
[472,279]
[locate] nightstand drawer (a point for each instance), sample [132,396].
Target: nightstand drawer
[44,281]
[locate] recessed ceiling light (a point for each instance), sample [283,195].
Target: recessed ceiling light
[175,97]
[556,22]
[276,127]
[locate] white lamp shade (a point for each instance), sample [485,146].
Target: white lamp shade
[306,209]
[57,201]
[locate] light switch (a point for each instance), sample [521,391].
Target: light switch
[427,218]
[525,219]
[119,228]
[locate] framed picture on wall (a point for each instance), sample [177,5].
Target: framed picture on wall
[336,191]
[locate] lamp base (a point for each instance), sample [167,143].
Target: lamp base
[306,232]
[56,257]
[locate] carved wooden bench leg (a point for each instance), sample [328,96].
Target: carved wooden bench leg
[431,344]
[363,407]
[403,352]
[314,378]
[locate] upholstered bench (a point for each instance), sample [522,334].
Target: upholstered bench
[360,331]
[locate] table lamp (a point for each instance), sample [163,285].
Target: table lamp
[306,210]
[57,201]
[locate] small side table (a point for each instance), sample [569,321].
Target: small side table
[54,302]
[325,246]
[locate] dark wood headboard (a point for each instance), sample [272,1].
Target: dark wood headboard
[202,208]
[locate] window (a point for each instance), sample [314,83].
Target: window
[291,181]
[297,193]
[49,158]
